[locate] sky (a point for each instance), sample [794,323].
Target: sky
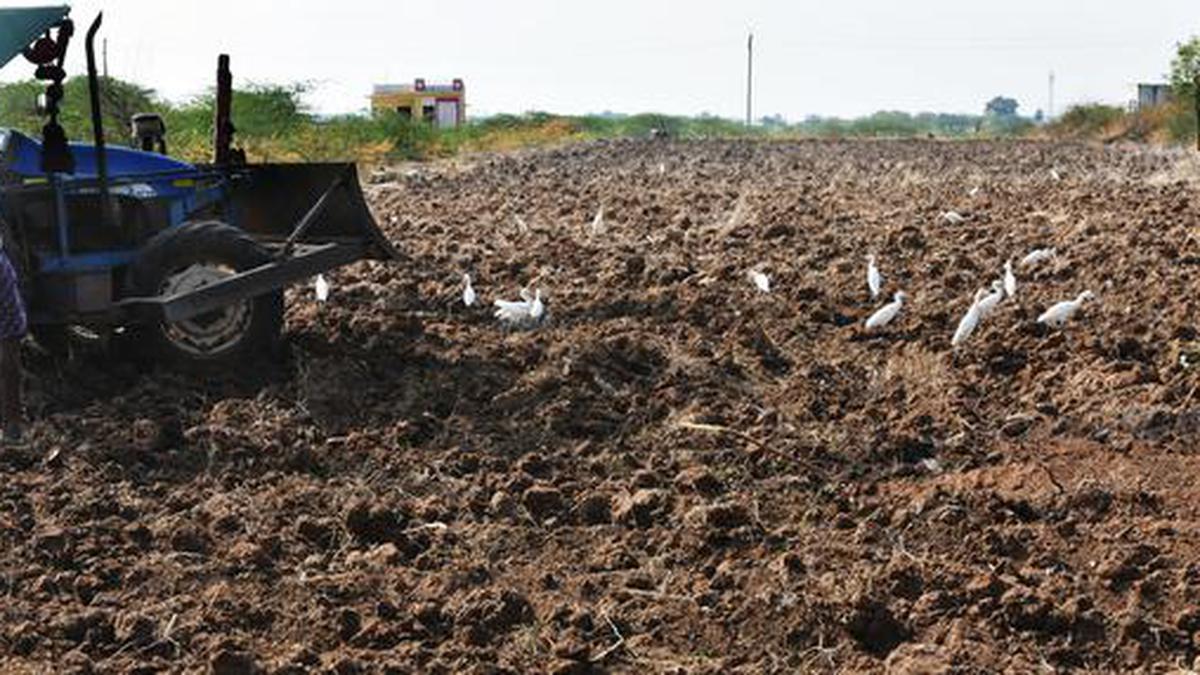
[812,57]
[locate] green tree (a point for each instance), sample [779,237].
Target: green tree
[1185,67]
[1002,106]
[119,102]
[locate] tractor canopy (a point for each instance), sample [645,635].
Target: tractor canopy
[21,155]
[20,26]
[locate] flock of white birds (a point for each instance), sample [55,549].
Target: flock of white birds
[530,311]
[527,312]
[984,302]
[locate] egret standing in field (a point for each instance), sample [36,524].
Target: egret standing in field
[321,288]
[988,304]
[597,227]
[1010,279]
[874,278]
[761,281]
[468,296]
[953,217]
[536,309]
[969,322]
[888,312]
[1061,312]
[524,313]
[1038,255]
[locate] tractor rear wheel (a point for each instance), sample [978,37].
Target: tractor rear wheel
[192,256]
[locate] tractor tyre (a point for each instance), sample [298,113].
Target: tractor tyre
[191,256]
[54,339]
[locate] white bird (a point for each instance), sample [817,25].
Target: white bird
[321,288]
[953,217]
[1010,279]
[970,320]
[1055,175]
[1038,255]
[529,310]
[1061,312]
[598,222]
[662,168]
[989,301]
[974,191]
[885,314]
[468,292]
[761,281]
[874,278]
[512,312]
[536,309]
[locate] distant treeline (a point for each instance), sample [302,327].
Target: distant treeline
[902,124]
[274,123]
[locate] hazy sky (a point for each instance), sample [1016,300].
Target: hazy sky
[826,57]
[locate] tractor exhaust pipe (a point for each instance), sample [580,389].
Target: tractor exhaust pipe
[222,124]
[98,121]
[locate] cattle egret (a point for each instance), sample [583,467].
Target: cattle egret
[1037,256]
[970,320]
[989,301]
[1055,175]
[1010,279]
[321,288]
[888,312]
[536,309]
[974,191]
[597,227]
[523,313]
[761,281]
[874,278]
[662,168]
[1060,313]
[468,292]
[953,217]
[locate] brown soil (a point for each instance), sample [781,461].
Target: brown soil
[675,473]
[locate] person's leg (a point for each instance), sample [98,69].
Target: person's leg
[11,410]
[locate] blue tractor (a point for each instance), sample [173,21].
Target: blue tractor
[188,262]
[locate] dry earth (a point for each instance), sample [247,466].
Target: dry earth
[676,473]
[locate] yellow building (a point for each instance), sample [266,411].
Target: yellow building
[443,105]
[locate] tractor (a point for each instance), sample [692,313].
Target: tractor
[185,262]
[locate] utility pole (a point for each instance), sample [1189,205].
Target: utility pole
[1050,107]
[750,80]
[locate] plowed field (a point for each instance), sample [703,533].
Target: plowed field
[675,472]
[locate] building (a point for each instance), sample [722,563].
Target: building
[443,105]
[1150,95]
